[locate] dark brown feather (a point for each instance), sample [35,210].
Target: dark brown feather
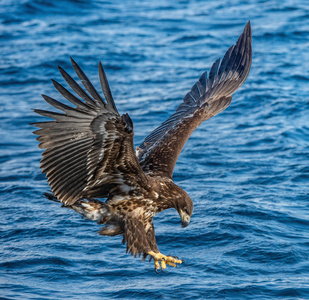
[89,149]
[135,237]
[151,237]
[159,152]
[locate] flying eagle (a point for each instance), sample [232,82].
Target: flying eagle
[89,152]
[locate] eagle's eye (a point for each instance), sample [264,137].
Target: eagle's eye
[186,211]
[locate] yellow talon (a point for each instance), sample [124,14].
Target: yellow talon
[157,264]
[165,260]
[163,264]
[172,265]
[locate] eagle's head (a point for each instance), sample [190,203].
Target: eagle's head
[184,206]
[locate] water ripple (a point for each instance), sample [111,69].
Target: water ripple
[246,169]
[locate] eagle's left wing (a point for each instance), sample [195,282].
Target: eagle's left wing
[159,152]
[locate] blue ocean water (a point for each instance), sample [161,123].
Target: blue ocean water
[245,169]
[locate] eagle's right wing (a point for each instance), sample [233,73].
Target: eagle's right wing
[212,94]
[89,148]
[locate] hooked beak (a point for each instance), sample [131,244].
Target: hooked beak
[185,219]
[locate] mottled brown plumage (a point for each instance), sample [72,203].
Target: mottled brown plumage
[89,152]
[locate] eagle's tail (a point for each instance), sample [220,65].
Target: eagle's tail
[91,209]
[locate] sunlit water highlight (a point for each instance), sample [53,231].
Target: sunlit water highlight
[246,169]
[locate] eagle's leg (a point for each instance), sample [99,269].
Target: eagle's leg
[155,253]
[165,260]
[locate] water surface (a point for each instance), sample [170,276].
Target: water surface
[245,169]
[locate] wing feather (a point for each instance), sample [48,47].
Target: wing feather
[74,100]
[88,85]
[105,88]
[69,111]
[88,148]
[77,89]
[209,96]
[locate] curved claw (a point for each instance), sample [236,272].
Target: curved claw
[174,256]
[164,260]
[183,261]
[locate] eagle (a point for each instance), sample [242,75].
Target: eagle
[91,165]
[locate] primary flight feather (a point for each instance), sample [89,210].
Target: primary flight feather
[89,152]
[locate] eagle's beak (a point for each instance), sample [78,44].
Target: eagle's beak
[185,219]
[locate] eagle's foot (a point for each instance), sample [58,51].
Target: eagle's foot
[164,260]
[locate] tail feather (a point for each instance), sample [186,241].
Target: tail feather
[91,209]
[111,229]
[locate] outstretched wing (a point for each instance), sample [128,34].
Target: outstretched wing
[89,148]
[209,96]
